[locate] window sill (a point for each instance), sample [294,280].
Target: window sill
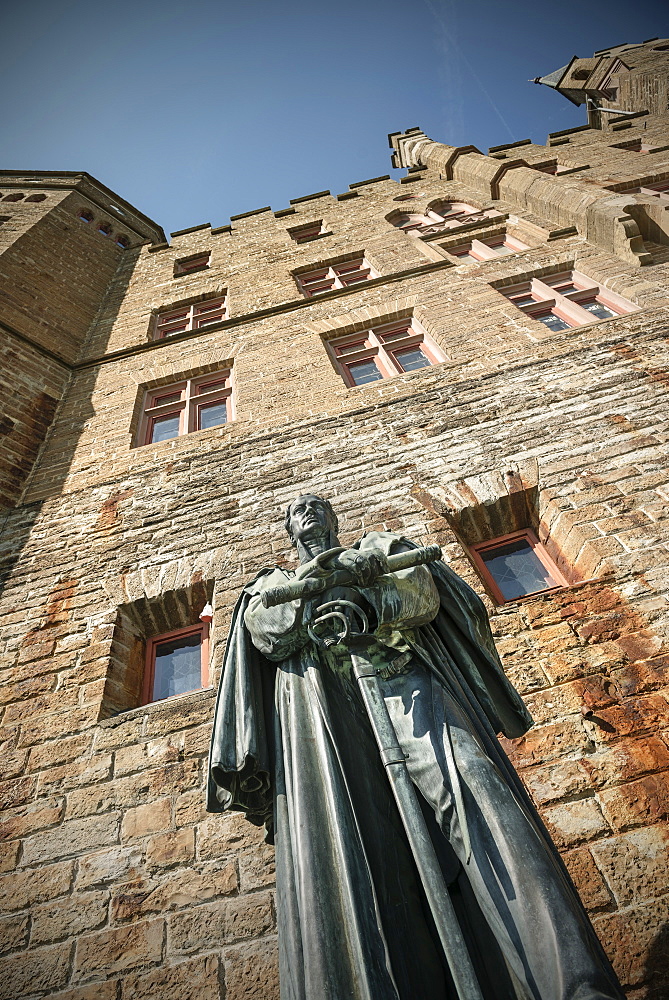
[545,594]
[177,701]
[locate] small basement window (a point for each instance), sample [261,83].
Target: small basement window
[516,565]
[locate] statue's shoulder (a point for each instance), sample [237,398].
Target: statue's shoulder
[386,541]
[271,576]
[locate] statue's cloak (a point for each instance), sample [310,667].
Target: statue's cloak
[292,748]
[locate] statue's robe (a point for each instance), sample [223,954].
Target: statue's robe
[292,748]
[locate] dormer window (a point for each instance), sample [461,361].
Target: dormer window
[195,316]
[307,232]
[331,276]
[189,265]
[567,299]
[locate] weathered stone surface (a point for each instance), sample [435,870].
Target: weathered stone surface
[251,971]
[573,822]
[112,865]
[206,927]
[34,972]
[22,889]
[638,803]
[68,917]
[13,932]
[171,848]
[588,880]
[256,868]
[119,949]
[194,979]
[180,888]
[72,837]
[101,990]
[636,864]
[219,834]
[635,939]
[149,818]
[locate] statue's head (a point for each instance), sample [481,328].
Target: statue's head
[309,517]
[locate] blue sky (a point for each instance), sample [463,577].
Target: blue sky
[196,111]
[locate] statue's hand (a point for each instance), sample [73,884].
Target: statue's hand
[364,567]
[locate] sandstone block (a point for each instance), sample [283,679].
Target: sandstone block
[101,990]
[556,780]
[621,762]
[22,889]
[9,853]
[574,822]
[224,832]
[13,933]
[68,917]
[636,864]
[115,864]
[196,979]
[206,927]
[59,751]
[143,820]
[638,803]
[635,941]
[33,972]
[256,868]
[252,970]
[28,819]
[122,948]
[179,888]
[75,774]
[189,808]
[171,848]
[75,836]
[142,756]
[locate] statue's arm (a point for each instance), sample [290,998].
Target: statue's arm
[403,599]
[276,632]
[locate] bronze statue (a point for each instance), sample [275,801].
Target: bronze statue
[294,748]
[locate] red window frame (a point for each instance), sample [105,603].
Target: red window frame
[561,295]
[186,399]
[342,274]
[539,550]
[381,345]
[202,630]
[194,316]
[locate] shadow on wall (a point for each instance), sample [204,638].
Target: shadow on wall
[61,433]
[15,528]
[657,966]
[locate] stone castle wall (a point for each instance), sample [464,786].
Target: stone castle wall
[116,883]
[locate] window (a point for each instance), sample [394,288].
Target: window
[122,241]
[195,404]
[190,264]
[192,317]
[516,565]
[443,215]
[176,662]
[36,197]
[324,279]
[553,168]
[385,351]
[85,216]
[560,301]
[635,146]
[659,190]
[307,232]
[493,246]
[13,197]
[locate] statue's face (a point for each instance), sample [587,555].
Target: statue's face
[309,519]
